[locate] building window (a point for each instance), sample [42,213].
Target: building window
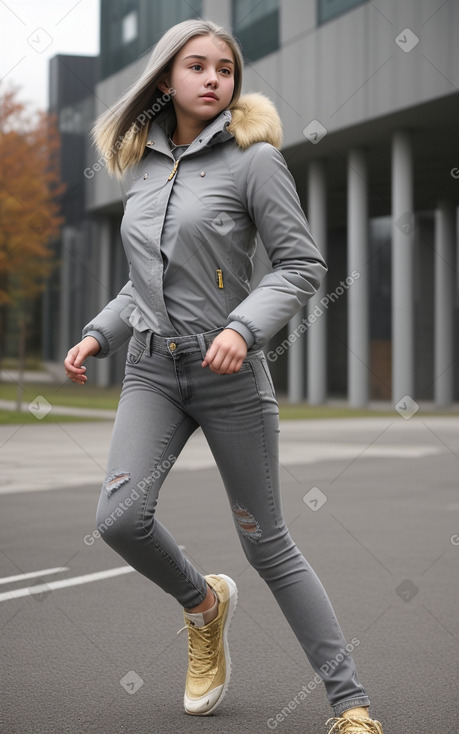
[256,27]
[129,27]
[71,121]
[327,9]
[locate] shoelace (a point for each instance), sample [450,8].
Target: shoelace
[201,648]
[354,725]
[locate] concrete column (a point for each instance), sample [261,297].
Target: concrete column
[317,331]
[402,267]
[103,277]
[445,272]
[358,314]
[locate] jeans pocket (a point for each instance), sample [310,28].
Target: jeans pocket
[264,364]
[135,352]
[245,366]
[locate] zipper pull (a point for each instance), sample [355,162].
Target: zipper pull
[174,170]
[220,278]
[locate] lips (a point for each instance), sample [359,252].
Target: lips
[209,95]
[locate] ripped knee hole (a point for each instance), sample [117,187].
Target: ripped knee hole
[116,480]
[246,522]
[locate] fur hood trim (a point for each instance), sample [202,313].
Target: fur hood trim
[254,119]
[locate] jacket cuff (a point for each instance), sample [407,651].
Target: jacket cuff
[104,345]
[243,330]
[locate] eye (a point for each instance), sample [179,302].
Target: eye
[193,66]
[227,71]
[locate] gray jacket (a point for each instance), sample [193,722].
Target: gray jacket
[189,234]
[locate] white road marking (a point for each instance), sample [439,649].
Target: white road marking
[75,581]
[32,575]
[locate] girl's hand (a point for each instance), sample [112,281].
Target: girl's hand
[77,355]
[226,353]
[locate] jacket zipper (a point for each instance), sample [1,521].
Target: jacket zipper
[174,170]
[220,277]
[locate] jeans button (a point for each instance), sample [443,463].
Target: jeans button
[172,346]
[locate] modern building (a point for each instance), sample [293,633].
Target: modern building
[368,95]
[72,81]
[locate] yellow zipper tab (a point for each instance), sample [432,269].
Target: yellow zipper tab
[174,170]
[220,278]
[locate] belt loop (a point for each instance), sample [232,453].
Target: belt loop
[149,343]
[202,344]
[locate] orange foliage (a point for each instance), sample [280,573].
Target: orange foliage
[29,190]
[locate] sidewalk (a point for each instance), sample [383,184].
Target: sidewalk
[64,410]
[37,457]
[7,375]
[54,374]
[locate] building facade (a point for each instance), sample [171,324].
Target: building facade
[368,97]
[72,82]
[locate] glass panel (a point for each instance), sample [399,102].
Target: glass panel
[170,12]
[327,9]
[256,27]
[129,27]
[248,12]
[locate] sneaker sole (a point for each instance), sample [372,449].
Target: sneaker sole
[229,615]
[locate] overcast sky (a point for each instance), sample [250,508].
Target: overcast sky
[33,31]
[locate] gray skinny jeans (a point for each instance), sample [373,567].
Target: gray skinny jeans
[166,395]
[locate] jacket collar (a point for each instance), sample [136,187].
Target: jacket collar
[252,119]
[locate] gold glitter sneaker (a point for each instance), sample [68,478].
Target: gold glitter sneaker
[354,725]
[209,664]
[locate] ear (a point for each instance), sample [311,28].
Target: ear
[163,84]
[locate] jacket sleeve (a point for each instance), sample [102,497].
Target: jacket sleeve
[297,265]
[111,327]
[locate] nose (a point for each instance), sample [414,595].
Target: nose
[212,79]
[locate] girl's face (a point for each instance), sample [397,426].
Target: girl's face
[202,75]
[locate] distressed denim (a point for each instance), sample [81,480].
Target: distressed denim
[166,396]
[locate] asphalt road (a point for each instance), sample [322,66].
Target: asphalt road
[373,505]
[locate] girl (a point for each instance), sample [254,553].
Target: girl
[198,182]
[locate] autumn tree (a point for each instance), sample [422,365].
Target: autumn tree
[30,188]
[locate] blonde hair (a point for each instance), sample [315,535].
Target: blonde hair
[121,132]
